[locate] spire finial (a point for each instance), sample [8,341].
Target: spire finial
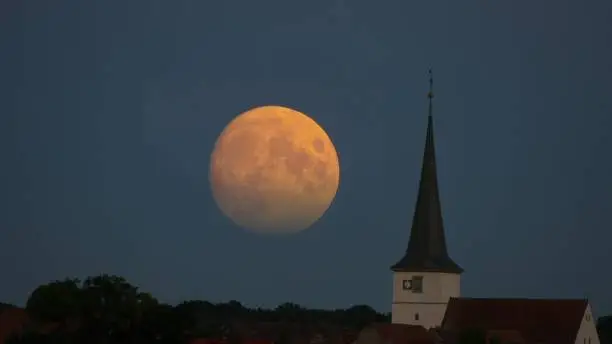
[430,95]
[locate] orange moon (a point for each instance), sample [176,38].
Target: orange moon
[274,170]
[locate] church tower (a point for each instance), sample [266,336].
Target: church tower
[426,277]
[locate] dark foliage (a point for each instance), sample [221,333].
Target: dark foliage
[604,329]
[108,309]
[473,336]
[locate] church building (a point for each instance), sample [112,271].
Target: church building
[426,277]
[427,291]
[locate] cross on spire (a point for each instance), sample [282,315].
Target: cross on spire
[430,94]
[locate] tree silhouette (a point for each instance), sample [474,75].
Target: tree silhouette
[58,302]
[604,329]
[113,308]
[107,309]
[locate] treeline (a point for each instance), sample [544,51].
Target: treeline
[604,329]
[108,309]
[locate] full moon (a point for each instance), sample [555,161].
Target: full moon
[274,170]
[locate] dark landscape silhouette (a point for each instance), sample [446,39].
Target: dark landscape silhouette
[109,309]
[114,311]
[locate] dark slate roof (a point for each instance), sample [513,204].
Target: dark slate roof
[426,251]
[545,321]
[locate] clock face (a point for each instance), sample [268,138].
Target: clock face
[415,284]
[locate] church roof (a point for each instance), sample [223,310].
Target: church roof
[426,251]
[537,320]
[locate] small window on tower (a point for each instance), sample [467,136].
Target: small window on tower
[417,284]
[416,316]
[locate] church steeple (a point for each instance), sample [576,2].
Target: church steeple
[426,250]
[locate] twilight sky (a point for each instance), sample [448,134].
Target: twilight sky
[109,111]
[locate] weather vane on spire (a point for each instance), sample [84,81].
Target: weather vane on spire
[430,94]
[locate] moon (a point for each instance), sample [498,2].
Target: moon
[274,170]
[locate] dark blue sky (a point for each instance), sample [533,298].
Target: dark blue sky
[109,111]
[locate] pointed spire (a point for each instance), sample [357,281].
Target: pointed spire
[426,250]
